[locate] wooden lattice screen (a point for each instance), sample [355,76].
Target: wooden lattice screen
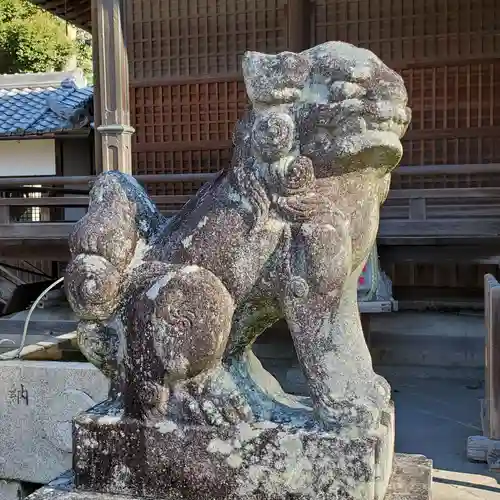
[186,89]
[448,52]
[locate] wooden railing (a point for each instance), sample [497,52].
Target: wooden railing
[457,213]
[56,229]
[447,212]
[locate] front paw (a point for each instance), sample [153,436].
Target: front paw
[360,409]
[149,402]
[217,410]
[212,399]
[347,416]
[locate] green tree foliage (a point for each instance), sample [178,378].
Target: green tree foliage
[32,40]
[84,53]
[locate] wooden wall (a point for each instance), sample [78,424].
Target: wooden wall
[187,93]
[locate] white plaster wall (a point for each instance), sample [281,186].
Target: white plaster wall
[27,157]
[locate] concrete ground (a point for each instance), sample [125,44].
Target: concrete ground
[435,418]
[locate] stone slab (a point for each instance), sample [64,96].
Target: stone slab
[38,400]
[16,490]
[411,480]
[261,460]
[11,490]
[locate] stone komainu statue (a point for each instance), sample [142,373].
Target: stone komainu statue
[170,308]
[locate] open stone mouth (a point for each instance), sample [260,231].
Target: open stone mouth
[354,116]
[394,125]
[360,125]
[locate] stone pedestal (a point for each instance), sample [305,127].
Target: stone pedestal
[411,480]
[250,461]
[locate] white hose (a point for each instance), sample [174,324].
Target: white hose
[17,353]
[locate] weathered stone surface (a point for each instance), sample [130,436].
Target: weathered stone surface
[37,402]
[411,480]
[248,460]
[11,490]
[170,309]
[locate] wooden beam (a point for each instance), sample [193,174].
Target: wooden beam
[8,182]
[35,231]
[114,98]
[79,201]
[32,249]
[433,254]
[437,240]
[202,177]
[458,193]
[97,93]
[437,227]
[418,170]
[182,146]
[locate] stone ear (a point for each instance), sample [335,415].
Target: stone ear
[257,75]
[274,79]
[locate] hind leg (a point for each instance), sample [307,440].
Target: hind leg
[178,321]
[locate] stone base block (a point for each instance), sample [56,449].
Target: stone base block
[15,490]
[44,396]
[11,490]
[259,461]
[411,480]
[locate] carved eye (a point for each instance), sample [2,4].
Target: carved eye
[89,289]
[181,320]
[295,68]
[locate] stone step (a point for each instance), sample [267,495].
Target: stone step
[415,344]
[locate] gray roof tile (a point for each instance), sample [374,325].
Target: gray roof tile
[25,111]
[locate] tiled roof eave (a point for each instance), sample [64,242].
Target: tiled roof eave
[45,134]
[28,112]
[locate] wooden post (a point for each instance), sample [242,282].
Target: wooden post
[4,215]
[97,94]
[486,448]
[114,128]
[298,15]
[493,359]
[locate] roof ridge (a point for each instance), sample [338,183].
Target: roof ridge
[42,80]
